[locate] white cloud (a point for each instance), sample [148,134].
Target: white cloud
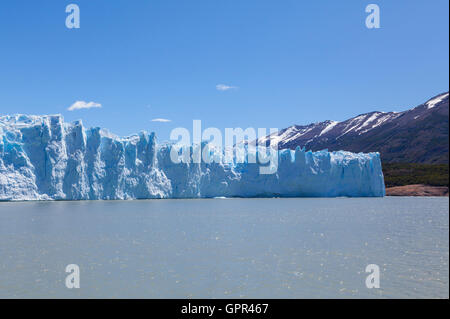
[161,120]
[78,105]
[223,87]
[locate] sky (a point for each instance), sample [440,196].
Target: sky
[160,64]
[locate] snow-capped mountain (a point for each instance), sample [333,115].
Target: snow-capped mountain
[418,135]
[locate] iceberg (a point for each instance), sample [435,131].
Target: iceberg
[44,158]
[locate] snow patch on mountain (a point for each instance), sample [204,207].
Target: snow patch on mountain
[328,127]
[433,102]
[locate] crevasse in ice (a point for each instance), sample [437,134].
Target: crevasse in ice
[43,158]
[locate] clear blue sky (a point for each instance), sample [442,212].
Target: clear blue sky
[294,62]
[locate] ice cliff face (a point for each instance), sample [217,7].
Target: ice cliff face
[43,158]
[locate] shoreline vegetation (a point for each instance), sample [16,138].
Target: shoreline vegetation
[411,179]
[417,190]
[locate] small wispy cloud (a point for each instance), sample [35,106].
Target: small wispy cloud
[79,105]
[224,87]
[161,120]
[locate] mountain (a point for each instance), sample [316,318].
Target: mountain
[418,135]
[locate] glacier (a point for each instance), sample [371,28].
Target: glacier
[44,158]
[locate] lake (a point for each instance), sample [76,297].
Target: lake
[226,248]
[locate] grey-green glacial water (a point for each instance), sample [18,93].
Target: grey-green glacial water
[226,248]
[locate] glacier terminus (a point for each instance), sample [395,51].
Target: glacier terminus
[44,158]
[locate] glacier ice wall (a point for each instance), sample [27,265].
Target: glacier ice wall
[43,158]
